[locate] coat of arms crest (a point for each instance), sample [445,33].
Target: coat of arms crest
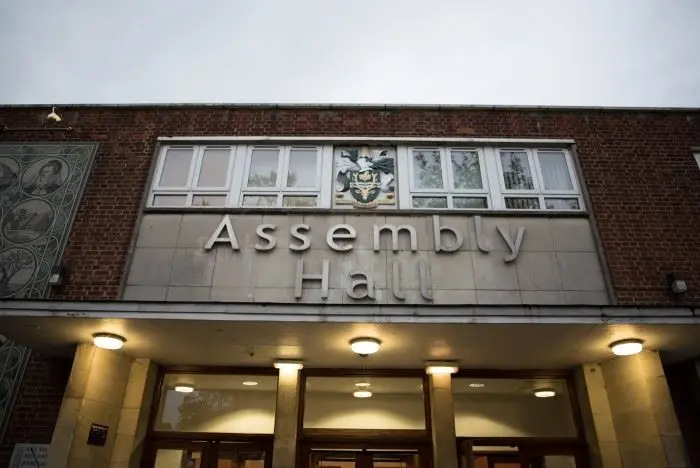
[365,177]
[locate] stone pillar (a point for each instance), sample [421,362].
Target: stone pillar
[133,421]
[284,452]
[632,392]
[597,417]
[442,418]
[94,394]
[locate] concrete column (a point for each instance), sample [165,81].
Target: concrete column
[632,393]
[597,417]
[133,421]
[442,418]
[94,394]
[284,452]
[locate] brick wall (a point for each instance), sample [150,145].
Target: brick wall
[637,165]
[38,402]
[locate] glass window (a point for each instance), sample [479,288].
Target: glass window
[427,169]
[516,170]
[176,167]
[303,168]
[439,175]
[466,170]
[510,408]
[214,169]
[364,403]
[264,166]
[217,403]
[442,177]
[555,171]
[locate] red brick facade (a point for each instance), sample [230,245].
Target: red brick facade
[637,165]
[38,402]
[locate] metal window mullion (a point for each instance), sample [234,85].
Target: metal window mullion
[326,173]
[195,165]
[494,176]
[285,153]
[403,189]
[240,153]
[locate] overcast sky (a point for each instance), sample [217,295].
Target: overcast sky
[520,52]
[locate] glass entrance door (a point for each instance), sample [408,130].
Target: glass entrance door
[207,454]
[366,458]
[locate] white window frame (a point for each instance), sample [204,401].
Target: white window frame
[448,191]
[538,191]
[240,161]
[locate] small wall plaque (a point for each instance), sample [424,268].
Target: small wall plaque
[97,435]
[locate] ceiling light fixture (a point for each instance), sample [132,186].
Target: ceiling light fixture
[365,346]
[108,341]
[476,385]
[184,388]
[250,383]
[289,364]
[362,384]
[627,347]
[544,393]
[362,394]
[440,367]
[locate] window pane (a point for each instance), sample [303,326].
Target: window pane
[296,201]
[389,403]
[516,170]
[177,458]
[260,200]
[429,202]
[214,167]
[522,203]
[302,167]
[176,167]
[219,403]
[169,200]
[466,171]
[209,200]
[427,169]
[562,204]
[555,172]
[263,167]
[509,408]
[469,202]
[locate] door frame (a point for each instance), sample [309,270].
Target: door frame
[367,446]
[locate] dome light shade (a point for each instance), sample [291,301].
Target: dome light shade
[362,384]
[250,383]
[362,394]
[108,341]
[365,346]
[544,393]
[627,347]
[184,388]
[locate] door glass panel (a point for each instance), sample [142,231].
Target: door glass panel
[395,460]
[231,456]
[559,461]
[178,458]
[332,460]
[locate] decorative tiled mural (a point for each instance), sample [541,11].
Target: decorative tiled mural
[40,187]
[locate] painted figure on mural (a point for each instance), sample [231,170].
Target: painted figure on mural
[28,221]
[16,270]
[44,179]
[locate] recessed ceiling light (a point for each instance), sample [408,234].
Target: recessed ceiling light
[544,393]
[184,388]
[250,383]
[365,346]
[362,394]
[362,384]
[108,341]
[476,385]
[627,347]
